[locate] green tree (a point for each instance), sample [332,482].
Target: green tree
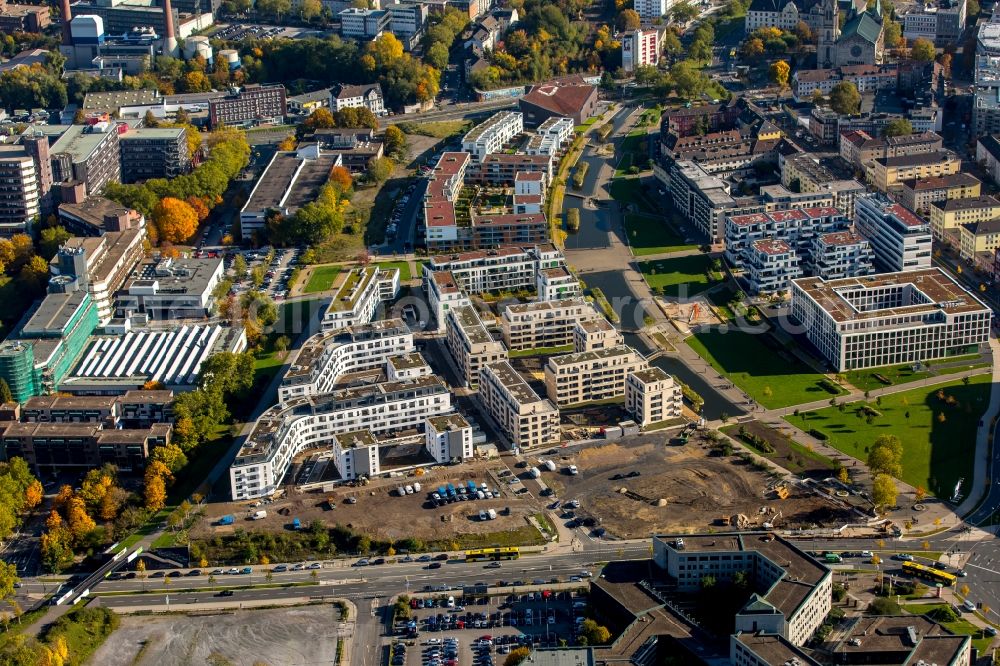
[845,98]
[683,12]
[5,393]
[884,606]
[594,633]
[380,169]
[516,656]
[899,127]
[628,19]
[893,34]
[51,239]
[779,72]
[240,267]
[395,142]
[885,456]
[922,50]
[884,491]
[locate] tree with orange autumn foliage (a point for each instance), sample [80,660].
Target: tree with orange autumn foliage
[34,494]
[199,207]
[342,180]
[175,220]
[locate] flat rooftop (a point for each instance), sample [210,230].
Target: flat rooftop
[355,439]
[467,319]
[550,306]
[651,374]
[291,181]
[944,293]
[771,246]
[80,141]
[514,383]
[919,159]
[910,639]
[774,649]
[448,422]
[178,276]
[407,361]
[54,314]
[318,344]
[596,355]
[841,238]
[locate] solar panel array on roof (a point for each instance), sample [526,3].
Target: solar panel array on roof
[172,357]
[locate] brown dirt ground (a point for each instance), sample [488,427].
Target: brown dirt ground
[381,514]
[699,489]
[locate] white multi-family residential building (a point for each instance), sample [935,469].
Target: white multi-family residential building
[442,191]
[355,454]
[449,438]
[544,323]
[797,589]
[889,319]
[641,48]
[591,375]
[650,10]
[327,356]
[595,334]
[470,343]
[840,254]
[901,240]
[652,396]
[526,419]
[770,265]
[556,283]
[558,129]
[798,227]
[311,422]
[407,366]
[368,96]
[360,296]
[493,134]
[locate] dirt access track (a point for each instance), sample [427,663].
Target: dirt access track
[380,513]
[697,487]
[298,636]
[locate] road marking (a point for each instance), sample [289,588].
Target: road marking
[976,566]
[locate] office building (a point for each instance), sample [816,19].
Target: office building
[172,289]
[491,135]
[900,639]
[360,296]
[470,343]
[590,376]
[901,240]
[889,319]
[363,24]
[652,396]
[544,323]
[448,438]
[525,419]
[800,171]
[329,355]
[23,18]
[764,649]
[134,409]
[20,190]
[283,431]
[253,104]
[159,152]
[840,254]
[792,590]
[407,19]
[940,21]
[89,154]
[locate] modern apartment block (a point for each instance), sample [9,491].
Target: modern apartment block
[501,169]
[889,319]
[544,323]
[793,591]
[860,149]
[801,171]
[407,366]
[310,422]
[158,152]
[953,213]
[252,105]
[54,448]
[703,199]
[355,454]
[901,240]
[798,227]
[527,420]
[329,355]
[641,48]
[918,195]
[652,396]
[840,254]
[595,335]
[360,295]
[90,154]
[491,135]
[770,265]
[888,173]
[589,376]
[449,438]
[470,343]
[445,184]
[556,283]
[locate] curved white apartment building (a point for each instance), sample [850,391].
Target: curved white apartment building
[327,356]
[313,421]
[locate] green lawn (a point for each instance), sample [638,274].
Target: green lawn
[866,380]
[961,626]
[649,235]
[936,453]
[439,130]
[403,266]
[680,276]
[629,191]
[321,279]
[540,351]
[759,365]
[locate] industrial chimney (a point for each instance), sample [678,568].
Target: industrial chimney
[67,16]
[169,38]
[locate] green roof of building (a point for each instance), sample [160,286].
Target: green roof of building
[864,25]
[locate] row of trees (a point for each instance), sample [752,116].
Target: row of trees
[176,206]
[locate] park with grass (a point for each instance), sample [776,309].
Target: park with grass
[936,425]
[321,279]
[681,276]
[763,367]
[648,234]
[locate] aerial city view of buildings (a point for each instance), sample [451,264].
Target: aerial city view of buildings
[449,332]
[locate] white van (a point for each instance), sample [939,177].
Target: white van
[451,602]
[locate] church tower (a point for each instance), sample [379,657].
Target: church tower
[827,33]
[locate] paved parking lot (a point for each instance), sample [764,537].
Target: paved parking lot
[479,627]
